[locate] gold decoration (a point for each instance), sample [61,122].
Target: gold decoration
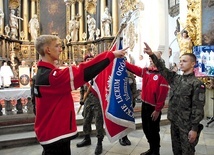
[193,23]
[14,4]
[127,5]
[90,6]
[131,35]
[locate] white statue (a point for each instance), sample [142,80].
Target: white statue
[14,26]
[106,21]
[97,33]
[1,17]
[6,74]
[91,27]
[7,30]
[74,28]
[33,27]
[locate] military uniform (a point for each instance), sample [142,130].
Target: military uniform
[92,109]
[186,107]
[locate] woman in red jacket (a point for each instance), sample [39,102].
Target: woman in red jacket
[154,92]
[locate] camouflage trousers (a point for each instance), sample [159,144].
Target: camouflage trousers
[92,110]
[180,142]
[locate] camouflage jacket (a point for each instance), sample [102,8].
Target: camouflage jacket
[186,98]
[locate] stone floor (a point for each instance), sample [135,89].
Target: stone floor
[139,144]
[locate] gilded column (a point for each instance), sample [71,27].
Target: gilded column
[33,7]
[115,20]
[80,11]
[73,9]
[102,9]
[68,14]
[2,24]
[25,19]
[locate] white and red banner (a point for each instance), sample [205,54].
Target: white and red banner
[114,93]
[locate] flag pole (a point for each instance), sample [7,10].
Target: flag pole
[84,98]
[122,26]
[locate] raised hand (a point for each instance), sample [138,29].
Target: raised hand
[147,49]
[120,53]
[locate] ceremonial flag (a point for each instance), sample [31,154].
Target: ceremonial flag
[114,93]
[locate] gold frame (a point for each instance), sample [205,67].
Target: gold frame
[194,19]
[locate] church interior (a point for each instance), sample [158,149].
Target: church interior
[93,26]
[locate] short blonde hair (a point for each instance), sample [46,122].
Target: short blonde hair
[43,40]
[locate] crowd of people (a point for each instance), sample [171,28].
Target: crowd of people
[186,100]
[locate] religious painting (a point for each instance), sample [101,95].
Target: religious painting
[208,22]
[53,17]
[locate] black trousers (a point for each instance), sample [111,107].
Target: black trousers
[151,128]
[61,147]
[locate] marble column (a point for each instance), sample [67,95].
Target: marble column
[2,26]
[80,11]
[102,9]
[115,21]
[33,7]
[73,9]
[25,19]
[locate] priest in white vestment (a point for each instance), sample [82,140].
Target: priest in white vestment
[6,74]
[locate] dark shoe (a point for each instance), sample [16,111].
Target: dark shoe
[149,152]
[85,142]
[126,140]
[122,142]
[99,149]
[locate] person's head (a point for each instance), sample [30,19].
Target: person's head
[23,63]
[49,46]
[141,57]
[185,34]
[187,62]
[89,55]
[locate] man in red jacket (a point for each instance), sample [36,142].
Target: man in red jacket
[154,92]
[55,123]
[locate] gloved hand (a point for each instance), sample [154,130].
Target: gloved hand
[81,102]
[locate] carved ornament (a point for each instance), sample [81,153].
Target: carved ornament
[90,6]
[127,5]
[14,4]
[193,23]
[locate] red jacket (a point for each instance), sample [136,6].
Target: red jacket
[154,86]
[55,114]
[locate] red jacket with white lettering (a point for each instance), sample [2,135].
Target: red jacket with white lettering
[154,86]
[55,114]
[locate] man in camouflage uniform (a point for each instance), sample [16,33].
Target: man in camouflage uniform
[92,109]
[186,103]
